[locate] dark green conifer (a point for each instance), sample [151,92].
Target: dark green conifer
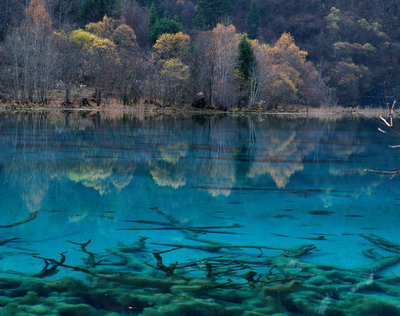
[210,12]
[148,3]
[246,61]
[153,15]
[246,67]
[162,26]
[253,22]
[95,10]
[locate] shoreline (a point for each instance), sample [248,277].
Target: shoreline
[300,111]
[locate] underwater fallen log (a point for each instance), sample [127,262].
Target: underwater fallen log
[217,247]
[168,224]
[137,246]
[128,260]
[391,172]
[380,262]
[201,231]
[174,224]
[289,278]
[299,251]
[212,265]
[6,241]
[31,217]
[140,282]
[46,271]
[382,242]
[91,259]
[169,271]
[190,232]
[299,287]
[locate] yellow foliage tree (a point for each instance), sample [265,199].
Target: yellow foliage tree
[173,74]
[120,34]
[284,82]
[285,51]
[104,28]
[172,46]
[124,37]
[285,76]
[174,69]
[126,59]
[101,59]
[171,51]
[94,44]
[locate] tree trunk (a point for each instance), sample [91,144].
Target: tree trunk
[98,97]
[16,76]
[67,94]
[211,85]
[25,90]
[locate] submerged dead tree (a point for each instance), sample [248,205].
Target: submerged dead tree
[233,280]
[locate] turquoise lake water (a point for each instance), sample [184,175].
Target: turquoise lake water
[244,185]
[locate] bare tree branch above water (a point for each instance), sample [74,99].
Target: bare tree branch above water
[390,123]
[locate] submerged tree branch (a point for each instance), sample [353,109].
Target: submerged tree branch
[31,217]
[383,171]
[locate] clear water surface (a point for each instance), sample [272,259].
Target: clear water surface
[214,189]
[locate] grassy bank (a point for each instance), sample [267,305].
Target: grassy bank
[280,110]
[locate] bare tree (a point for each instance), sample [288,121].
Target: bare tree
[31,55]
[137,18]
[70,64]
[391,129]
[219,50]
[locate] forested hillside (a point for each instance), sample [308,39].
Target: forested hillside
[222,53]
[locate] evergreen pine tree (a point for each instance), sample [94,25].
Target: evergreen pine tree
[246,67]
[210,12]
[162,26]
[95,10]
[253,22]
[148,3]
[153,15]
[246,61]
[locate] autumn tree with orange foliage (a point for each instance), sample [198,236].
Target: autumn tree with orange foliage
[354,47]
[286,77]
[223,66]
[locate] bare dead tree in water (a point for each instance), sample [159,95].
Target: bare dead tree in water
[391,130]
[390,123]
